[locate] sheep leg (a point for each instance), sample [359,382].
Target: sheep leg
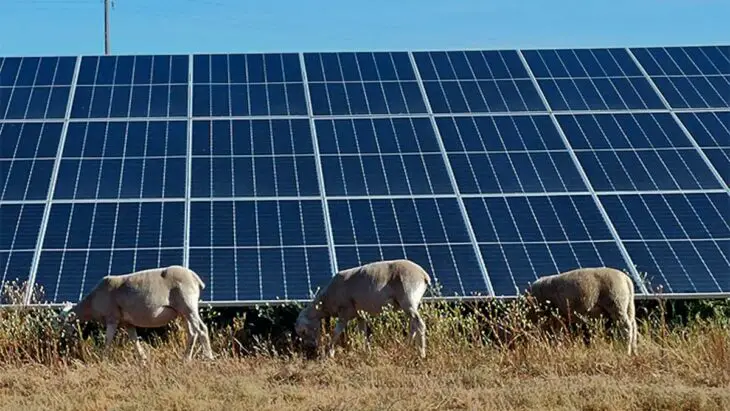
[111,331]
[202,331]
[186,304]
[362,326]
[132,333]
[339,329]
[418,326]
[192,337]
[628,332]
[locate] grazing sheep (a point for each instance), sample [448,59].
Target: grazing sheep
[594,292]
[148,298]
[368,288]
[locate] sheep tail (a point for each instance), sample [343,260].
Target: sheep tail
[201,284]
[426,278]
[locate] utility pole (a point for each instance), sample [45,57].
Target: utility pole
[106,26]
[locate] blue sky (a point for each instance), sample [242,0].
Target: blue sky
[71,27]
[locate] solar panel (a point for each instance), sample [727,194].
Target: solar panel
[508,154]
[689,77]
[34,87]
[636,152]
[268,172]
[381,156]
[477,82]
[27,154]
[591,79]
[253,158]
[115,160]
[682,239]
[362,83]
[247,85]
[711,130]
[131,86]
[20,227]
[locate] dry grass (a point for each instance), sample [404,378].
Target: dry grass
[44,366]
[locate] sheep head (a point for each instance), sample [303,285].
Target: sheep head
[307,325]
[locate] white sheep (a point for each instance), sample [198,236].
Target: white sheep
[148,298]
[593,292]
[367,288]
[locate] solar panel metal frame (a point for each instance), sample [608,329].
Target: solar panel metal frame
[323,197]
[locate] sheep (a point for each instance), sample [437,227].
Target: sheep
[367,288]
[148,298]
[593,292]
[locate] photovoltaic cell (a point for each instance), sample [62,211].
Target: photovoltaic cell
[247,85]
[591,79]
[636,152]
[477,82]
[682,241]
[508,154]
[110,160]
[20,224]
[711,131]
[254,250]
[27,154]
[382,156]
[35,87]
[429,231]
[362,83]
[131,86]
[86,241]
[246,158]
[523,238]
[689,77]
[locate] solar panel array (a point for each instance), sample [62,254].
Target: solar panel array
[266,173]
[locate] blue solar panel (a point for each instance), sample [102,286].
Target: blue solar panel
[508,154]
[477,82]
[259,250]
[20,227]
[268,172]
[27,154]
[639,151]
[34,87]
[109,160]
[247,85]
[689,77]
[362,83]
[591,79]
[247,158]
[381,157]
[682,240]
[711,131]
[131,86]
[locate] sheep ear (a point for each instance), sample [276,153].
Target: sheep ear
[67,307]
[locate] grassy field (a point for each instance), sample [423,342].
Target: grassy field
[679,366]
